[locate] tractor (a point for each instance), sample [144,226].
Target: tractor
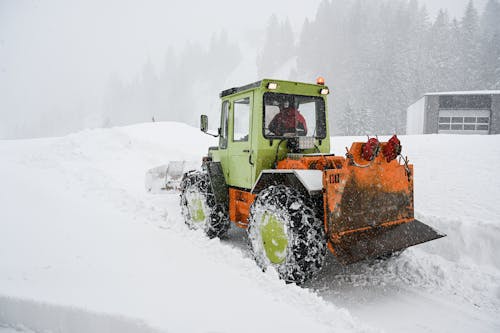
[295,199]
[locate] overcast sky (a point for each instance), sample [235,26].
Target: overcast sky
[54,53]
[120,35]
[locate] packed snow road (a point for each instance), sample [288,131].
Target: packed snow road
[84,248]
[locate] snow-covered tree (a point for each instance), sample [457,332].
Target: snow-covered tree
[490,45]
[469,48]
[382,56]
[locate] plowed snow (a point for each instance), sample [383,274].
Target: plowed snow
[80,236]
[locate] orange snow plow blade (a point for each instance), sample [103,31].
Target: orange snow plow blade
[369,208]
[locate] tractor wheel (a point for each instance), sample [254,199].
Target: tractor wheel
[198,205]
[285,233]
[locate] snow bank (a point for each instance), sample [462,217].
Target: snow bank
[30,316]
[81,238]
[79,231]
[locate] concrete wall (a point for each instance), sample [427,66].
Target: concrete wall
[415,117]
[431,114]
[495,115]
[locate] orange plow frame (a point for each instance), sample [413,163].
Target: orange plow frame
[368,205]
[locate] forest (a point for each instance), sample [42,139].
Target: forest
[377,57]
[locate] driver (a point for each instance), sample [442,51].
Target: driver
[288,120]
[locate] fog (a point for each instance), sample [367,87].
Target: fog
[60,61]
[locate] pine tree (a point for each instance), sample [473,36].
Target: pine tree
[347,121]
[379,57]
[113,102]
[469,50]
[267,60]
[306,60]
[490,20]
[439,65]
[167,80]
[221,59]
[490,45]
[278,47]
[149,93]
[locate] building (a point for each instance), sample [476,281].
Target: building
[458,112]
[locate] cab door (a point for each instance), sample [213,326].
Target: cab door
[239,153]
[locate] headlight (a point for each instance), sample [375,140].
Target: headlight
[272,85]
[306,142]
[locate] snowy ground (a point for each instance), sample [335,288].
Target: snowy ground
[83,248]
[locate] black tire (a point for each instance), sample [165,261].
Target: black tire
[196,191]
[305,248]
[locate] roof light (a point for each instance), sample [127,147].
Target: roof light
[324,91]
[320,80]
[272,85]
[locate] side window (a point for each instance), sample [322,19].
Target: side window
[223,125]
[241,118]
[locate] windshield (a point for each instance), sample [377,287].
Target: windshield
[293,115]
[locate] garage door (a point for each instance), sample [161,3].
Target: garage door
[464,121]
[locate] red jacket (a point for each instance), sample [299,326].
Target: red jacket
[289,120]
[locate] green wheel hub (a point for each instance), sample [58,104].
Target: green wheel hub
[274,238]
[196,208]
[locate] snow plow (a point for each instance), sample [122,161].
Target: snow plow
[167,177]
[273,175]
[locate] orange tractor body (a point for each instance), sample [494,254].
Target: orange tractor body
[362,201]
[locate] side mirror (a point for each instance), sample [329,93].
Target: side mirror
[204,123]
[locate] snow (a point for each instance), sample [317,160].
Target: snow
[85,248]
[468,92]
[312,179]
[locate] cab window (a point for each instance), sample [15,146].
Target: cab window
[241,123]
[223,125]
[288,115]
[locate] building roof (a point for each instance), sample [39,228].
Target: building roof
[470,92]
[451,93]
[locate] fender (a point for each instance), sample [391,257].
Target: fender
[308,181]
[217,182]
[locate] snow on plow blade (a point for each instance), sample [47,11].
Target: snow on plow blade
[369,207]
[168,176]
